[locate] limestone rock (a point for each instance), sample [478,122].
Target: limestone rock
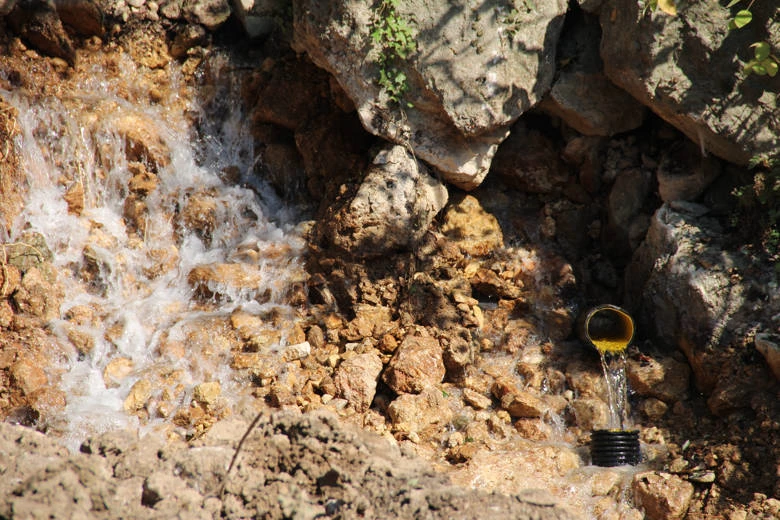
[769,346]
[687,69]
[259,17]
[476,231]
[683,174]
[356,379]
[581,94]
[392,208]
[210,13]
[207,393]
[414,412]
[416,365]
[38,23]
[663,496]
[686,294]
[663,378]
[83,16]
[529,161]
[464,94]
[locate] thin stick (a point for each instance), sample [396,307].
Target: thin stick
[238,450]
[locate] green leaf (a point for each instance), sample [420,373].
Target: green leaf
[742,18]
[761,50]
[733,3]
[771,68]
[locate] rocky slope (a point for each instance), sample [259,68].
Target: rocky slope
[441,320]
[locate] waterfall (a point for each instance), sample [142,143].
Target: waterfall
[135,185]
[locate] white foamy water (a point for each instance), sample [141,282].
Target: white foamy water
[127,288]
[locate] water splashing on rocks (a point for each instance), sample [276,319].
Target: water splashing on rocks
[159,245]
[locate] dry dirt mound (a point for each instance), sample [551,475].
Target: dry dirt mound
[290,466]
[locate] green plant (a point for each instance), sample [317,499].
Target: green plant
[396,42]
[763,63]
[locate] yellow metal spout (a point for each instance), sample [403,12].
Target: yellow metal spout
[607,328]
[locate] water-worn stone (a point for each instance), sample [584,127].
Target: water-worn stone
[417,364]
[688,69]
[226,280]
[392,208]
[356,379]
[464,95]
[662,496]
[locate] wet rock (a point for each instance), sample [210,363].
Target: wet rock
[356,380]
[519,403]
[143,142]
[116,370]
[392,208]
[663,378]
[226,280]
[142,182]
[636,50]
[39,293]
[417,364]
[413,412]
[28,375]
[139,395]
[662,495]
[590,413]
[208,393]
[476,400]
[200,214]
[456,125]
[257,334]
[473,229]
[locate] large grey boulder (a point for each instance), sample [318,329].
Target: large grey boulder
[686,288]
[476,69]
[688,70]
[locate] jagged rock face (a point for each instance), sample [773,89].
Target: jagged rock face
[473,73]
[687,70]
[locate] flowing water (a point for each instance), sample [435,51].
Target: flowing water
[614,367]
[154,199]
